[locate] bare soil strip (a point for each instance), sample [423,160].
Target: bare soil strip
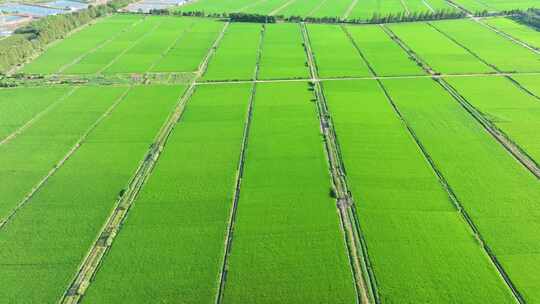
[101,45]
[58,165]
[358,256]
[239,176]
[349,9]
[277,10]
[36,117]
[517,295]
[90,265]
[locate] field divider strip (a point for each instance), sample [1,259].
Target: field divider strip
[131,46]
[36,117]
[98,47]
[461,8]
[362,274]
[239,176]
[428,6]
[59,164]
[103,242]
[500,269]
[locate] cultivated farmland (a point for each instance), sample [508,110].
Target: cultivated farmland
[288,157]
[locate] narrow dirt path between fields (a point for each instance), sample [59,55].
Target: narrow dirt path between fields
[59,164]
[90,264]
[36,117]
[502,272]
[239,176]
[362,275]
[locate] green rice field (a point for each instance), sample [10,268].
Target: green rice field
[161,158]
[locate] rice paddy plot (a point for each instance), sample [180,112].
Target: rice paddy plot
[508,107]
[28,158]
[497,50]
[20,106]
[236,56]
[287,246]
[152,46]
[474,5]
[382,53]
[212,6]
[498,193]
[334,53]
[367,9]
[301,7]
[529,82]
[496,5]
[329,8]
[283,54]
[440,5]
[98,60]
[517,30]
[43,246]
[68,50]
[175,230]
[441,53]
[267,7]
[188,53]
[421,249]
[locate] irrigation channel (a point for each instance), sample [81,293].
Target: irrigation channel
[102,244]
[357,250]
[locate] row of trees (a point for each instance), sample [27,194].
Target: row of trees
[33,37]
[530,17]
[376,18]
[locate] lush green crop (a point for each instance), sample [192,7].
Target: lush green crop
[283,55]
[508,107]
[517,30]
[302,8]
[334,53]
[287,243]
[236,55]
[68,51]
[152,46]
[43,245]
[438,51]
[498,193]
[20,105]
[366,9]
[496,5]
[336,8]
[529,82]
[487,44]
[212,6]
[175,232]
[382,53]
[403,208]
[28,158]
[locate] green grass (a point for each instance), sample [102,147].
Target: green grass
[508,107]
[517,30]
[334,53]
[283,55]
[499,194]
[236,55]
[421,249]
[382,53]
[42,247]
[175,232]
[505,54]
[68,50]
[438,51]
[20,105]
[287,245]
[28,158]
